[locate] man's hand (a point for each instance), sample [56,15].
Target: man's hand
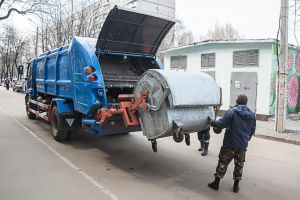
[215,129]
[213,123]
[209,120]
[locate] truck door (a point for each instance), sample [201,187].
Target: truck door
[29,81]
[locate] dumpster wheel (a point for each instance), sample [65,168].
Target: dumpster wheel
[154,145]
[187,139]
[178,136]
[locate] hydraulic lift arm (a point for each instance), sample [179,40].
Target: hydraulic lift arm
[127,108]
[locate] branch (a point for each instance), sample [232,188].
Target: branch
[1,2]
[27,7]
[10,11]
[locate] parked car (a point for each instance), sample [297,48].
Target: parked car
[17,86]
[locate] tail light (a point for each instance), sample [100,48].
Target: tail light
[92,77]
[89,69]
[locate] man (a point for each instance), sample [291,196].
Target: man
[6,82]
[203,137]
[240,124]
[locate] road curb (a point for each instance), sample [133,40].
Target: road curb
[278,139]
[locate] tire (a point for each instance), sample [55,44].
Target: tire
[178,137]
[30,115]
[56,127]
[187,140]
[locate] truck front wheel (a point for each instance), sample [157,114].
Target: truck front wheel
[56,126]
[30,115]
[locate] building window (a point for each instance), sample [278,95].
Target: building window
[246,58]
[179,62]
[208,60]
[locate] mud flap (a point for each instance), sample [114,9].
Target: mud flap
[70,121]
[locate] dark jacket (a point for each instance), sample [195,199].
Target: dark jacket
[6,81]
[240,124]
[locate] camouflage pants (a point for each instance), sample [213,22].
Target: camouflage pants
[225,157]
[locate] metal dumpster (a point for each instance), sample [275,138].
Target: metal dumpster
[179,103]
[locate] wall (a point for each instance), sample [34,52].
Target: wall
[293,81]
[224,67]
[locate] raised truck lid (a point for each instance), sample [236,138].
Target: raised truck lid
[132,31]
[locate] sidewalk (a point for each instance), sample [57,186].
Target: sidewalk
[266,130]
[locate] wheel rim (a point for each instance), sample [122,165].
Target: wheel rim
[54,126]
[27,108]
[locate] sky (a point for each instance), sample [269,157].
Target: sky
[253,19]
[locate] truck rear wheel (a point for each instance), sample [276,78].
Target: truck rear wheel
[56,126]
[30,115]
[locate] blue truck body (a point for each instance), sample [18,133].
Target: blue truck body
[60,73]
[71,83]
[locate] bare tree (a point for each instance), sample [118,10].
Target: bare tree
[23,7]
[185,39]
[178,36]
[294,18]
[63,21]
[12,46]
[220,32]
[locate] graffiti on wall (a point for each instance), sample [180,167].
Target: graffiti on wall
[293,80]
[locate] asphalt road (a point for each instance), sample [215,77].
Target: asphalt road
[34,166]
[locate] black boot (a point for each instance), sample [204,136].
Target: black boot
[204,153]
[215,185]
[202,146]
[236,187]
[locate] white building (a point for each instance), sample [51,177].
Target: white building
[101,8]
[241,66]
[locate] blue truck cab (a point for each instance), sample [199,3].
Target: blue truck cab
[69,85]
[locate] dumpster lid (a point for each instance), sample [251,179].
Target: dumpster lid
[131,31]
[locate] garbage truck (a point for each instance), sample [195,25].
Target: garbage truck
[115,84]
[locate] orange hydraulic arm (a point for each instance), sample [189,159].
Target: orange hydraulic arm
[127,108]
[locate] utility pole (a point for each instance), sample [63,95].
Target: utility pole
[36,41]
[281,76]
